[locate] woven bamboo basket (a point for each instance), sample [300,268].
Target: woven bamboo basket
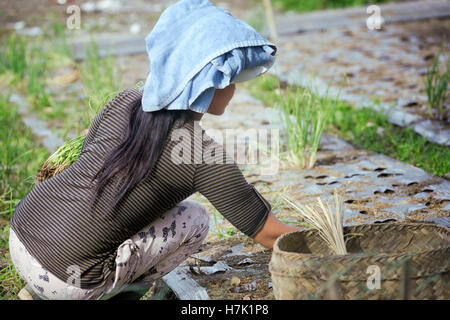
[384,261]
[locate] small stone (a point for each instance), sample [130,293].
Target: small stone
[423,71]
[235,281]
[135,28]
[246,287]
[246,261]
[19,25]
[89,6]
[31,32]
[428,56]
[380,131]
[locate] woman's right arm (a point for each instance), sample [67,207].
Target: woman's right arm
[272,229]
[239,202]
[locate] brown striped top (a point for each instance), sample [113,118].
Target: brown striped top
[57,227]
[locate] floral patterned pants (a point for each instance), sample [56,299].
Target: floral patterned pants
[147,256]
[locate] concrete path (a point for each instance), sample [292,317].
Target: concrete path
[394,12]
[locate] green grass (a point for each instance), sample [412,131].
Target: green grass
[32,65]
[13,57]
[36,75]
[312,5]
[10,281]
[359,127]
[20,159]
[60,45]
[222,229]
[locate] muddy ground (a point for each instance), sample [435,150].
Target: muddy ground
[249,278]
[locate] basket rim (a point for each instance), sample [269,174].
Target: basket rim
[337,257]
[344,278]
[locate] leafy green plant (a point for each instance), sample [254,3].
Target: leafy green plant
[303,114]
[98,77]
[61,159]
[8,203]
[436,87]
[304,117]
[68,153]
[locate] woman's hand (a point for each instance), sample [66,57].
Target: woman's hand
[272,229]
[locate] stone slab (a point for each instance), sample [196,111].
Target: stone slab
[39,128]
[109,44]
[390,12]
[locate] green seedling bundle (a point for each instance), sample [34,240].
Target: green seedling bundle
[63,157]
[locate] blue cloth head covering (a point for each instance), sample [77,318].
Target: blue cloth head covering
[195,48]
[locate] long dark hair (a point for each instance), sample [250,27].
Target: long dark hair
[126,165]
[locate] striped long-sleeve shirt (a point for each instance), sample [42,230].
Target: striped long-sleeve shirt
[59,229]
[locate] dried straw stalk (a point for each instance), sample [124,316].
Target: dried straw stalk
[270,20]
[328,223]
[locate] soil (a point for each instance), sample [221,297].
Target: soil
[220,286]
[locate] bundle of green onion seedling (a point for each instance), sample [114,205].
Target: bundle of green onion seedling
[63,157]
